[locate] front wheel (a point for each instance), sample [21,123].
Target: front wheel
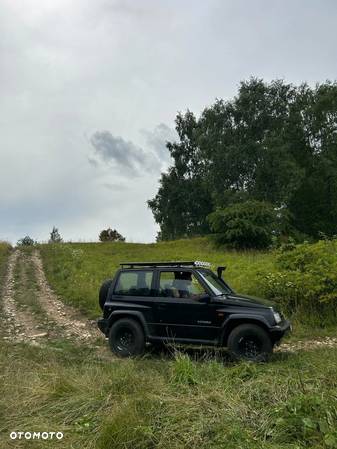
[250,342]
[126,338]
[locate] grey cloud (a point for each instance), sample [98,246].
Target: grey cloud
[158,138]
[122,154]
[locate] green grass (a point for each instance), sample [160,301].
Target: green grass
[25,285]
[5,249]
[191,399]
[177,402]
[77,270]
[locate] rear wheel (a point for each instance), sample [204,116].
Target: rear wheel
[250,342]
[103,292]
[126,338]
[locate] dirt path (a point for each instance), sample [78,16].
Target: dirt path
[308,345]
[32,312]
[18,326]
[66,317]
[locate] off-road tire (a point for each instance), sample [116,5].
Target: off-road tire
[103,292]
[249,342]
[126,338]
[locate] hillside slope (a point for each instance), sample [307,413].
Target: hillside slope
[76,270]
[59,377]
[5,249]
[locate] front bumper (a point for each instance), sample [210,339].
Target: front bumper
[278,331]
[102,324]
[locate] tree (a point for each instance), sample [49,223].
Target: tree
[26,241]
[273,142]
[109,235]
[55,236]
[180,206]
[245,225]
[183,201]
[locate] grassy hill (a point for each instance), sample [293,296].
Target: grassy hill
[77,270]
[302,278]
[5,249]
[183,399]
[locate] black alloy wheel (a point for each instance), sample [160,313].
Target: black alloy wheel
[250,342]
[126,338]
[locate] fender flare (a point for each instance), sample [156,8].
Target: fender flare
[256,319]
[129,313]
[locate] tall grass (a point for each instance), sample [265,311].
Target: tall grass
[5,249]
[179,402]
[77,270]
[301,279]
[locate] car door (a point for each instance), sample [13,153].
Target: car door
[179,313]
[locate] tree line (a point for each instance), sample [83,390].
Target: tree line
[106,235]
[263,164]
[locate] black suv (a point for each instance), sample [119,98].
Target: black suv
[185,302]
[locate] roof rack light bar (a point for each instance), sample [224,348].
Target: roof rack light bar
[201,263]
[197,263]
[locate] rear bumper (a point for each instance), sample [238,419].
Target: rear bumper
[277,332]
[102,324]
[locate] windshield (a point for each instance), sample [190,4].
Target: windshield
[214,283]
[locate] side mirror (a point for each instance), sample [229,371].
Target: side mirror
[205,298]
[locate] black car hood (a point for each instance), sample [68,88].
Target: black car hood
[250,300]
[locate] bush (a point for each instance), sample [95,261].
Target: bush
[26,241]
[251,224]
[109,235]
[305,280]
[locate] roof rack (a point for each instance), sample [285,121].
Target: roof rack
[196,263]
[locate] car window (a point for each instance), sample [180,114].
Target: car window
[134,283]
[217,287]
[180,284]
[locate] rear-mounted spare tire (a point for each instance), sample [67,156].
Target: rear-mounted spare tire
[103,292]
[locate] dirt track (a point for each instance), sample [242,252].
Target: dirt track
[33,313]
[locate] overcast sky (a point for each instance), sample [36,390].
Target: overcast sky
[90,90]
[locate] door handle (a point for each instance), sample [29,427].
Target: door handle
[162,306]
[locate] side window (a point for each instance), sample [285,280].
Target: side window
[179,284]
[134,283]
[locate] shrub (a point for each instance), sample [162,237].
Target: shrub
[310,418]
[305,280]
[26,241]
[55,236]
[250,224]
[109,235]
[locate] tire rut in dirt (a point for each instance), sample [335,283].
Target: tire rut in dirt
[18,325]
[73,324]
